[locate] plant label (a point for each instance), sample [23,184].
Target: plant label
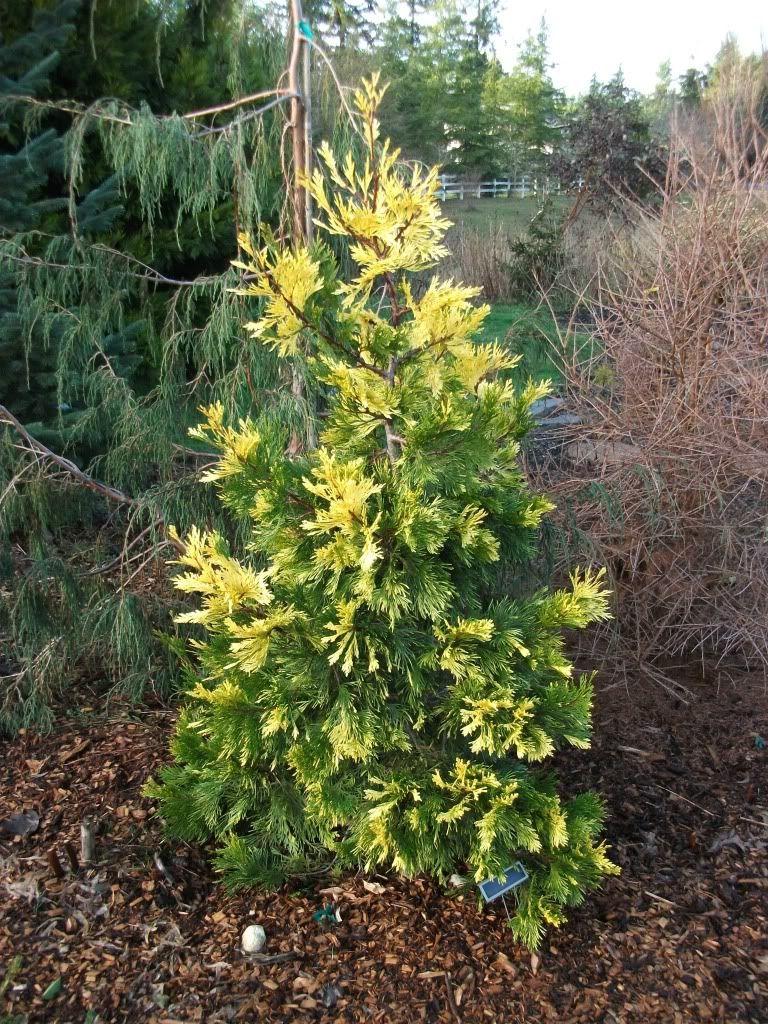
[492,888]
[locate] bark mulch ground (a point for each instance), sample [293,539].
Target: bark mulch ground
[146,933]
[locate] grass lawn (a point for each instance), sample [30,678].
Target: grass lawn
[528,330]
[531,332]
[513,214]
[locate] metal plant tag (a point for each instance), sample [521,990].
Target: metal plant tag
[492,888]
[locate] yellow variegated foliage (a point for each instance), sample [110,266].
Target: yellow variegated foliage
[500,724]
[460,654]
[444,318]
[476,363]
[473,535]
[250,645]
[342,637]
[391,217]
[370,398]
[287,279]
[467,781]
[376,692]
[235,445]
[346,490]
[224,584]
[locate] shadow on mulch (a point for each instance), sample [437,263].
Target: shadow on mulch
[147,934]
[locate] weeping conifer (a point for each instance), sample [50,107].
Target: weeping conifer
[363,688]
[117,319]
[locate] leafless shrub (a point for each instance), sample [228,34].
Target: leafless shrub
[596,248]
[480,257]
[666,479]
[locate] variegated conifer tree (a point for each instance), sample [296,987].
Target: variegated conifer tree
[364,689]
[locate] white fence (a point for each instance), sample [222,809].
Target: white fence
[520,186]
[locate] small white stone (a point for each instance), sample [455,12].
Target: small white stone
[457,881]
[254,939]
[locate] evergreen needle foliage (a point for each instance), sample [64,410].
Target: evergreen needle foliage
[117,319]
[365,689]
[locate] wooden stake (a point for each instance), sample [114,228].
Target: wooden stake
[299,84]
[302,211]
[306,95]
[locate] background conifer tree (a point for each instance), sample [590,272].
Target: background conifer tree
[112,317]
[364,687]
[41,222]
[530,106]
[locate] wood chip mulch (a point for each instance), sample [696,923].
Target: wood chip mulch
[146,933]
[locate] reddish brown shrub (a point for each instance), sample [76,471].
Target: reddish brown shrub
[666,478]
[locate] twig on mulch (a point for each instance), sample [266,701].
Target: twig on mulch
[451,1001]
[55,864]
[274,958]
[677,796]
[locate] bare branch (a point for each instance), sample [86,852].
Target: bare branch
[236,103]
[45,454]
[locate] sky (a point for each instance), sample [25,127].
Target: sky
[597,36]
